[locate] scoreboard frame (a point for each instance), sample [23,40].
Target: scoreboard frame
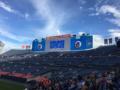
[64,43]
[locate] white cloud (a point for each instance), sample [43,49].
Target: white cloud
[80,7]
[12,45]
[26,16]
[7,7]
[114,32]
[107,9]
[97,41]
[110,9]
[82,2]
[94,14]
[5,33]
[54,17]
[115,21]
[58,32]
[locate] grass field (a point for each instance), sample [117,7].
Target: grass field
[5,85]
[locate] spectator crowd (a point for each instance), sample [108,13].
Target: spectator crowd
[94,81]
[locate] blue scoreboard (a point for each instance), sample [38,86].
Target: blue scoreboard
[63,43]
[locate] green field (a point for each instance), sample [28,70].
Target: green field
[6,85]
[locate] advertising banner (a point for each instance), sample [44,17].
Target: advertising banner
[38,46]
[81,43]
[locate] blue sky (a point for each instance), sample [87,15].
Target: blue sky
[21,21]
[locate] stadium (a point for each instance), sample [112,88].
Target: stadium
[66,42]
[59,44]
[64,62]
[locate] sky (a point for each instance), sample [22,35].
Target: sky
[21,21]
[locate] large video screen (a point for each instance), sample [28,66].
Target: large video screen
[57,44]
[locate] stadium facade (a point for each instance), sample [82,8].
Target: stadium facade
[111,40]
[66,42]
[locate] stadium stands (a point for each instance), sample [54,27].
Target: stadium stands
[60,65]
[14,52]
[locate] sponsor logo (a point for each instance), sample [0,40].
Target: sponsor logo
[77,44]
